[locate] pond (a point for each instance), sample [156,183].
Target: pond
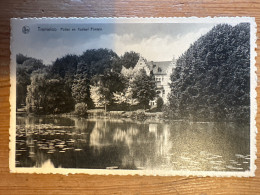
[100,143]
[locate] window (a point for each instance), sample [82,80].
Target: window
[159,69]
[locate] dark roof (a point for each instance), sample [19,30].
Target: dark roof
[159,67]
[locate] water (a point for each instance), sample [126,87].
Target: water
[126,144]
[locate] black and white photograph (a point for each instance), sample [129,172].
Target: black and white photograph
[147,96]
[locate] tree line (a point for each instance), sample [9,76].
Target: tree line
[77,83]
[211,80]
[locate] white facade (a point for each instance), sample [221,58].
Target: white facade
[161,71]
[142,64]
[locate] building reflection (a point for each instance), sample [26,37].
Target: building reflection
[146,145]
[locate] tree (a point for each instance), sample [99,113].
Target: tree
[20,58]
[65,66]
[159,104]
[24,68]
[144,88]
[99,95]
[212,78]
[47,96]
[35,93]
[97,61]
[81,86]
[125,98]
[81,109]
[58,97]
[103,87]
[113,82]
[127,73]
[32,64]
[129,59]
[22,81]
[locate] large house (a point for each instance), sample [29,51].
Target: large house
[161,71]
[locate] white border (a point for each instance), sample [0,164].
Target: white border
[18,23]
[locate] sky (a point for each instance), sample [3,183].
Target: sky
[155,42]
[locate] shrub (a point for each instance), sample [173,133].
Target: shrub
[138,114]
[159,103]
[81,109]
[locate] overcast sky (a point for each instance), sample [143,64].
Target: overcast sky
[156,42]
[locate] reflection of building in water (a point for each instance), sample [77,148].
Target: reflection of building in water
[153,129]
[161,71]
[103,135]
[125,136]
[98,136]
[156,142]
[162,139]
[141,146]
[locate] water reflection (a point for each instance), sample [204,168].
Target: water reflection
[118,144]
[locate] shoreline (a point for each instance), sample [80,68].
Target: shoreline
[139,115]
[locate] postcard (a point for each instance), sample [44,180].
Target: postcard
[126,96]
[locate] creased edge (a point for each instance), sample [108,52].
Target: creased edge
[253,100]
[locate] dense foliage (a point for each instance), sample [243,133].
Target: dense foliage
[144,88]
[47,95]
[77,83]
[81,109]
[25,67]
[97,61]
[159,104]
[80,87]
[212,78]
[65,66]
[129,59]
[20,58]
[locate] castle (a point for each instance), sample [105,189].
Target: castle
[161,71]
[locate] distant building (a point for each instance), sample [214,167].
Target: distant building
[161,71]
[143,64]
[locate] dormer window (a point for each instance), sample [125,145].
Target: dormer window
[159,69]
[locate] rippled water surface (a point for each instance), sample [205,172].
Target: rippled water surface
[126,144]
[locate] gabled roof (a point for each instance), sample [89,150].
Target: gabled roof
[159,67]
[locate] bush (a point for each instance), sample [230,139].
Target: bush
[159,103]
[139,115]
[81,109]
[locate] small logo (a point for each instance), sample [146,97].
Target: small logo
[26,29]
